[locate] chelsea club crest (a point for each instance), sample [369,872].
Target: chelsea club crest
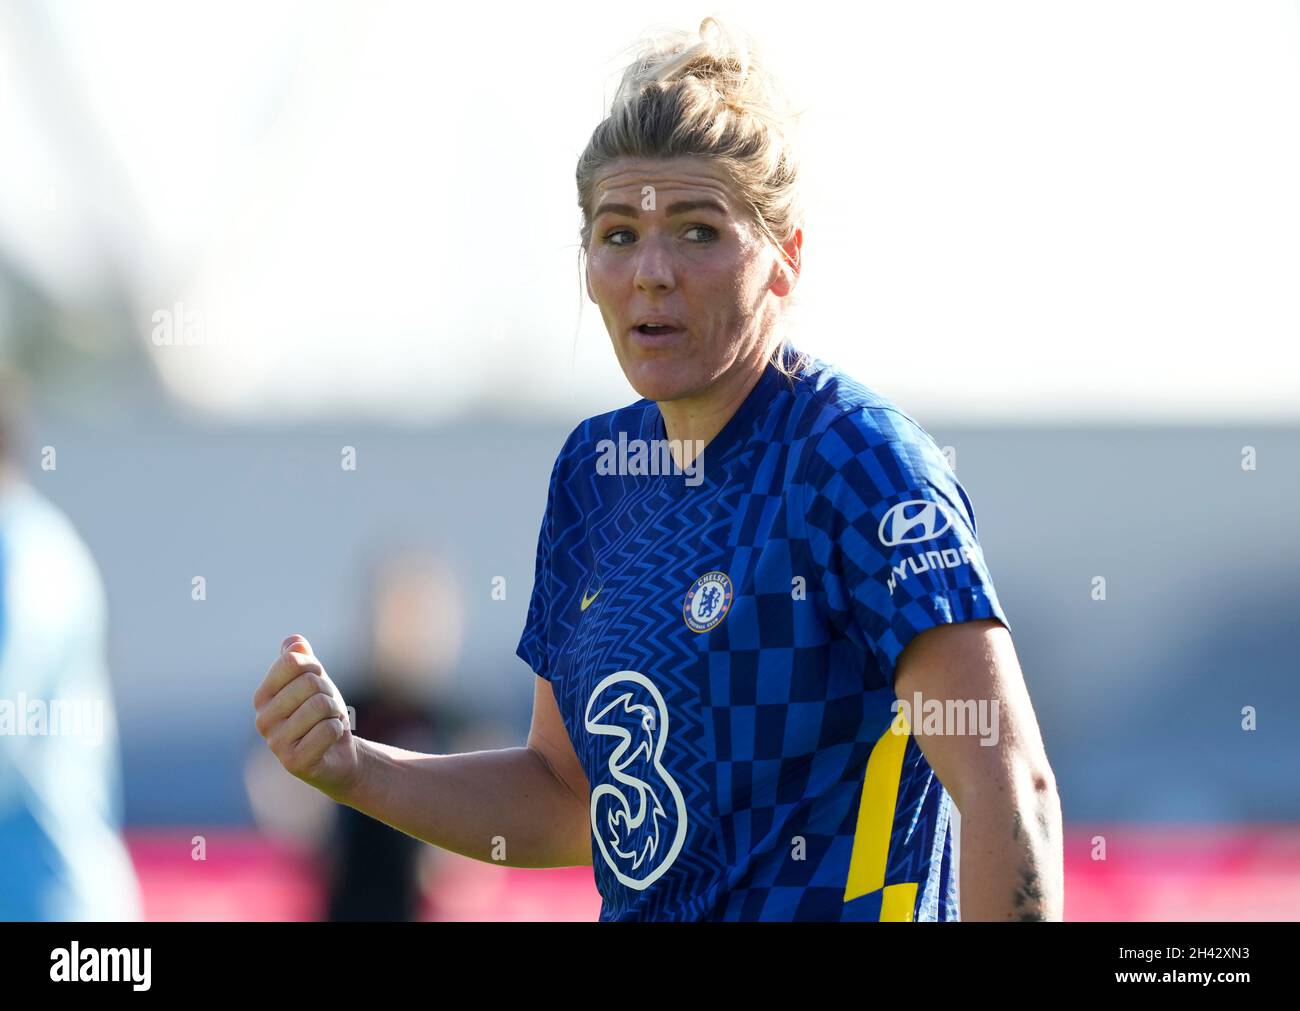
[707,602]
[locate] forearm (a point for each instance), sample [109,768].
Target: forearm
[1012,862]
[505,807]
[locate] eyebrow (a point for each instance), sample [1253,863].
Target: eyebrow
[680,207]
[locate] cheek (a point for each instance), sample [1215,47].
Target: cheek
[603,278]
[730,280]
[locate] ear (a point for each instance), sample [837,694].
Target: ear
[787,266]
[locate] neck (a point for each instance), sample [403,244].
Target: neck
[693,422]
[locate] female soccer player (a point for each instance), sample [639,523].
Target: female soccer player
[769,663]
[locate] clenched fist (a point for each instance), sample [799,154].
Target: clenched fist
[302,716]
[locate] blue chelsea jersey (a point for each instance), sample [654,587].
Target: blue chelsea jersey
[721,645]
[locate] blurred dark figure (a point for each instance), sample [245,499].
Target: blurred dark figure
[401,699]
[61,854]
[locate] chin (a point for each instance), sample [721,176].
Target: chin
[663,375]
[662,380]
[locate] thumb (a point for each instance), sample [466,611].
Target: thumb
[295,644]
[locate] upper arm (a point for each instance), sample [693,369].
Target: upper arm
[891,535]
[974,661]
[549,738]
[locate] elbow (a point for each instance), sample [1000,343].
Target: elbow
[1017,781]
[1043,782]
[1037,785]
[1044,802]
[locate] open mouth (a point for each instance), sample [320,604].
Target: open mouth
[655,329]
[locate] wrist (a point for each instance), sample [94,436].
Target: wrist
[354,789]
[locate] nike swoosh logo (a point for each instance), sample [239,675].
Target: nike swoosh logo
[586,601]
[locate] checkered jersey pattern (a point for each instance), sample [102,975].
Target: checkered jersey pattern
[748,768]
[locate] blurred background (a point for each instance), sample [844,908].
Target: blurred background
[292,329]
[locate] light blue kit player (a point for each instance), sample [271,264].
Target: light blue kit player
[61,855]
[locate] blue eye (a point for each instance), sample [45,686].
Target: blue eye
[619,231]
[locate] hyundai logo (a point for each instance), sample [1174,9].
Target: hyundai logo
[917,520]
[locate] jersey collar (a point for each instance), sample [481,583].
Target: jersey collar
[719,449]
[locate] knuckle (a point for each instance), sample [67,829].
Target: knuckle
[303,662]
[310,749]
[301,688]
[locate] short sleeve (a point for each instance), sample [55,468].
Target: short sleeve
[891,535]
[534,643]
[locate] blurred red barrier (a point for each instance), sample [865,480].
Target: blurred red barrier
[242,876]
[246,876]
[1176,873]
[1182,873]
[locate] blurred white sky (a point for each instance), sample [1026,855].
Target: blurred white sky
[1018,211]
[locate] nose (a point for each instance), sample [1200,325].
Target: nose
[654,267]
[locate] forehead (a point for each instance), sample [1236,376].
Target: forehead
[626,178]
